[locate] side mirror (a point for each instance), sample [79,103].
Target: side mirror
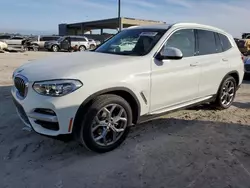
[170,53]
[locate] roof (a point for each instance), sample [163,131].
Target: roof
[178,25]
[112,23]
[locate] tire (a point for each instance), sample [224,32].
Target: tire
[220,99]
[86,136]
[35,47]
[55,48]
[82,48]
[92,47]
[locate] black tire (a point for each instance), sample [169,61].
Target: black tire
[55,48]
[218,103]
[82,48]
[85,135]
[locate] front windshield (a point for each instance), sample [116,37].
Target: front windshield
[61,39]
[137,42]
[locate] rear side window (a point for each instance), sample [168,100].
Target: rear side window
[226,44]
[17,38]
[74,39]
[81,39]
[183,40]
[48,38]
[206,42]
[43,39]
[5,37]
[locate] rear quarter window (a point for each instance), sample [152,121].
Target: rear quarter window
[226,44]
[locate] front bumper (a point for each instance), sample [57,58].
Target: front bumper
[60,119]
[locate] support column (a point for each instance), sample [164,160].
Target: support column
[82,29]
[101,31]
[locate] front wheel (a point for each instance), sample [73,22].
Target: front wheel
[106,124]
[55,48]
[82,48]
[226,93]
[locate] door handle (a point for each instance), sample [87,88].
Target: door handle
[194,64]
[224,59]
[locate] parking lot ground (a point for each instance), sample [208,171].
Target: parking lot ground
[194,148]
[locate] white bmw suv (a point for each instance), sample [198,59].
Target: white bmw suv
[96,96]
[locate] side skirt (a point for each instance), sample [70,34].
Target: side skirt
[149,117]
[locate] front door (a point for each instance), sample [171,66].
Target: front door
[176,82]
[65,44]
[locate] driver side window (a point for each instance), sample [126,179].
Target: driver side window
[184,40]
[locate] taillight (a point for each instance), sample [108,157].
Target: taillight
[242,57]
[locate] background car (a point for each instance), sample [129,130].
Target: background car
[241,43]
[3,45]
[81,42]
[40,41]
[15,41]
[247,66]
[5,37]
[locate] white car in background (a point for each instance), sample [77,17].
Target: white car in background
[15,41]
[97,96]
[3,45]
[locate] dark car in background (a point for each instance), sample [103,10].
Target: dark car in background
[5,37]
[241,43]
[63,43]
[247,66]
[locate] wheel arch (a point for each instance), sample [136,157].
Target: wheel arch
[234,74]
[83,46]
[123,92]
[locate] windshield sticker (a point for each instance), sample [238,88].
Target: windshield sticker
[149,34]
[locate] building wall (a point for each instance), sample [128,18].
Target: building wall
[62,29]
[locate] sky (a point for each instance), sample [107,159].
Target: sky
[45,15]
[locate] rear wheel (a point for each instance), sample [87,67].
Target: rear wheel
[106,124]
[226,93]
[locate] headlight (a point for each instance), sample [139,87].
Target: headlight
[56,88]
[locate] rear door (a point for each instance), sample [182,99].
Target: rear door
[214,66]
[75,41]
[16,41]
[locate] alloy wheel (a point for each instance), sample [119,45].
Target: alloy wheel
[82,48]
[109,125]
[228,92]
[55,48]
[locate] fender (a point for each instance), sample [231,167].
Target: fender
[87,102]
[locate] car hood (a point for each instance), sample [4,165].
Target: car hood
[62,66]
